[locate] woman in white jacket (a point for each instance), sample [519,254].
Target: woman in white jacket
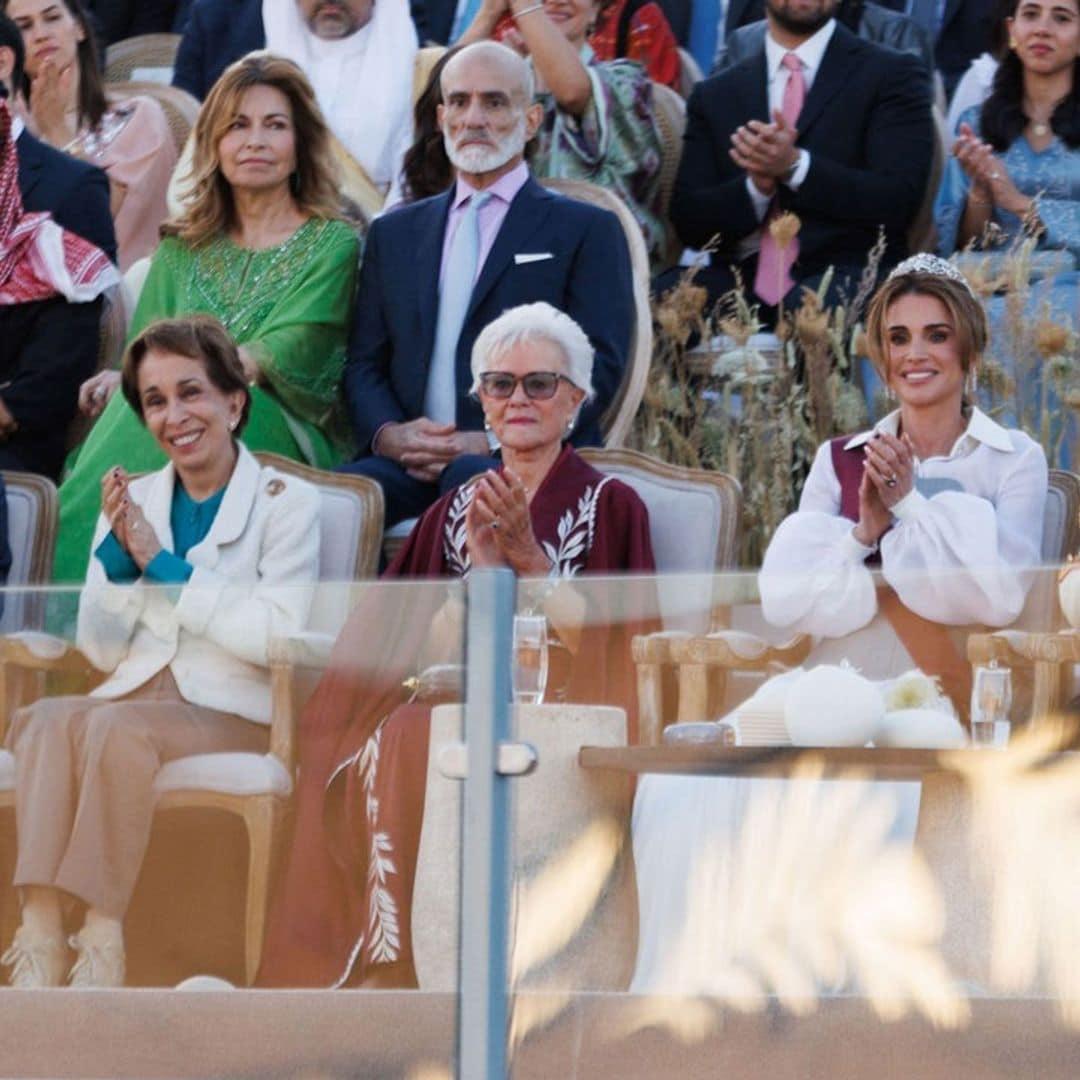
[194,569]
[944,501]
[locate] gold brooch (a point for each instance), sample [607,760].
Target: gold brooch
[275,487]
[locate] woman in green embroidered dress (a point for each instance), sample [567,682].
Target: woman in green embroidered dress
[260,246]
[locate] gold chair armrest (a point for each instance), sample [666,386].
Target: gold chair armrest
[36,654]
[655,648]
[293,660]
[33,651]
[739,651]
[1051,655]
[1013,648]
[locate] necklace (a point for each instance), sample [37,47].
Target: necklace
[1040,130]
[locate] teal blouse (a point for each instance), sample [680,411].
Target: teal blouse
[190,521]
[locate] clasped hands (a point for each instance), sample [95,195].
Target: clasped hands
[991,183]
[498,527]
[765,151]
[424,447]
[888,476]
[126,519]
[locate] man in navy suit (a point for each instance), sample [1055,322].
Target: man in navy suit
[533,245]
[47,347]
[855,160]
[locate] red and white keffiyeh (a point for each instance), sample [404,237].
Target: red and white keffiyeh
[38,258]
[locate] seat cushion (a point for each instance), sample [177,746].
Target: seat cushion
[231,773]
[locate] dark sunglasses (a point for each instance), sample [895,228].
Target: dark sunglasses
[538,385]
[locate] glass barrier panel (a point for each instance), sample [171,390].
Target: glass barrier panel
[755,840]
[232,781]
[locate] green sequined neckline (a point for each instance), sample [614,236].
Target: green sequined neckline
[241,285]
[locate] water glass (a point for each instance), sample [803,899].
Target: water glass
[991,697]
[530,659]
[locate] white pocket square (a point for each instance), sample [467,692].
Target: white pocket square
[532,256]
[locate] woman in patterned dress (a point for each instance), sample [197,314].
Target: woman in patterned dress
[262,248]
[126,135]
[546,514]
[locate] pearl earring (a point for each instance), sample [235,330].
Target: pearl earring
[487,424]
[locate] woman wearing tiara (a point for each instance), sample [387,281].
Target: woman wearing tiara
[945,501]
[948,505]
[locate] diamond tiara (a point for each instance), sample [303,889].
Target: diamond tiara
[925,263]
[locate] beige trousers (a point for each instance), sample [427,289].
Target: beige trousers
[84,777]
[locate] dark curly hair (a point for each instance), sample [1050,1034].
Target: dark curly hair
[1002,120]
[425,168]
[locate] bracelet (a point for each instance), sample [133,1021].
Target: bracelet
[525,11]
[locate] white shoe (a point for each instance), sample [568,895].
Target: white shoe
[35,960]
[99,961]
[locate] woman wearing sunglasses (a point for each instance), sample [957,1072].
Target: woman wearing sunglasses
[544,513]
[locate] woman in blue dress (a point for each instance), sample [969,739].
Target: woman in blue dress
[1015,167]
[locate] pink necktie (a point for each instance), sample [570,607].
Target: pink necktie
[773,279]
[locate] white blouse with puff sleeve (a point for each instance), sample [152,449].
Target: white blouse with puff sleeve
[957,552]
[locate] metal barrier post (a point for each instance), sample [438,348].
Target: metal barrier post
[485,842]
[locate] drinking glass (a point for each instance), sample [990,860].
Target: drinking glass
[991,697]
[530,659]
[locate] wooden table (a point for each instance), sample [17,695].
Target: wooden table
[706,760]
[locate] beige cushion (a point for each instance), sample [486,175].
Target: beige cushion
[231,773]
[684,520]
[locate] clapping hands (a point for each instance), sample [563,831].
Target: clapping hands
[990,180]
[498,527]
[126,519]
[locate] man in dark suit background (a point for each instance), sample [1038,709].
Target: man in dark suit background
[855,158]
[406,381]
[119,19]
[870,21]
[47,347]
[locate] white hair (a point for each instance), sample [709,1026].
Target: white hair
[529,323]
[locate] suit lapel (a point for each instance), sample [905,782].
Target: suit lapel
[832,76]
[524,219]
[429,228]
[951,8]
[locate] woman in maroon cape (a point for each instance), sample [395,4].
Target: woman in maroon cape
[343,912]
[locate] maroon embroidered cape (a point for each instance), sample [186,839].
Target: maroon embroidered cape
[328,925]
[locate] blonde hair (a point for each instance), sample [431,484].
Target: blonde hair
[967,314]
[210,209]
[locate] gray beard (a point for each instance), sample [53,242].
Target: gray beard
[480,159]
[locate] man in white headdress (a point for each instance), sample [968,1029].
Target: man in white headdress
[358,54]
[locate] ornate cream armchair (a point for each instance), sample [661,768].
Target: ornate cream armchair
[1051,653]
[255,787]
